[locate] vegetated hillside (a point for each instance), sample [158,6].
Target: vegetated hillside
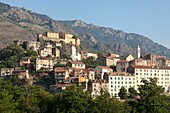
[10,31]
[93,37]
[108,39]
[21,24]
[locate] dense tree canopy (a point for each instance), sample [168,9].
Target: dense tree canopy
[123,93]
[90,62]
[18,98]
[151,99]
[10,55]
[132,92]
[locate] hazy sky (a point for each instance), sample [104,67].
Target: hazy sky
[150,18]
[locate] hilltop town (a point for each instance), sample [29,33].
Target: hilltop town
[61,58]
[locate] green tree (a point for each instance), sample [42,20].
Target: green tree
[7,105]
[10,55]
[72,100]
[58,64]
[90,62]
[32,54]
[123,93]
[75,37]
[152,98]
[132,92]
[105,104]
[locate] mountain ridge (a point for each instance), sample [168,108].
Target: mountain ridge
[96,38]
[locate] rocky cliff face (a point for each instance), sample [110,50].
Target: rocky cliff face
[108,39]
[19,23]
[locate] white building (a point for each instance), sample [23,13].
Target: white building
[117,80]
[161,73]
[74,54]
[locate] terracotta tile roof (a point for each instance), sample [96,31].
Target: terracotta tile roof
[60,85]
[123,61]
[76,62]
[60,69]
[105,67]
[44,58]
[25,58]
[119,74]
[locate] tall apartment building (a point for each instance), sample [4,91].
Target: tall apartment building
[161,73]
[118,79]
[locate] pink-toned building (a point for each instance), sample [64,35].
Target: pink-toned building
[61,74]
[76,65]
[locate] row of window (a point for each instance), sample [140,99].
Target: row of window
[122,78]
[155,74]
[148,70]
[130,82]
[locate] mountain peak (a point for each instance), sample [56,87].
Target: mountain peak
[94,37]
[79,23]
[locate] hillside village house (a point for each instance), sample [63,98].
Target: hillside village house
[100,70]
[76,65]
[89,73]
[6,71]
[97,86]
[44,63]
[70,51]
[61,74]
[22,74]
[45,50]
[167,62]
[68,38]
[56,52]
[151,59]
[85,54]
[129,58]
[109,59]
[25,61]
[33,45]
[138,61]
[122,66]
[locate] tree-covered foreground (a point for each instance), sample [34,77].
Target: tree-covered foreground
[18,98]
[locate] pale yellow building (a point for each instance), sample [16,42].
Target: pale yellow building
[129,58]
[52,35]
[44,63]
[25,61]
[58,37]
[139,61]
[6,71]
[96,87]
